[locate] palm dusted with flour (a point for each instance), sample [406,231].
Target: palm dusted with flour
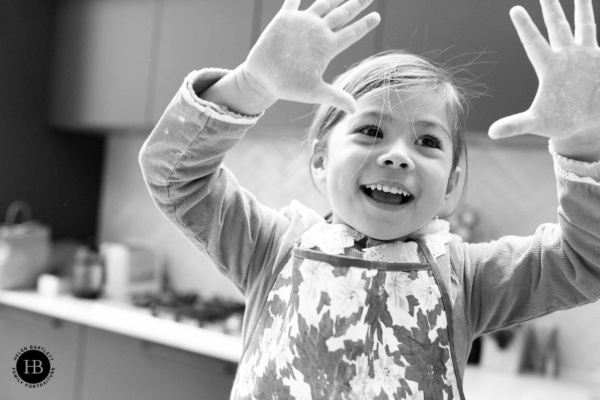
[566,107]
[288,60]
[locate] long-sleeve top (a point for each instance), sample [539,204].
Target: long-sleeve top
[492,285]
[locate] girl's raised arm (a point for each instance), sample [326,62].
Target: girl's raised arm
[288,60]
[566,107]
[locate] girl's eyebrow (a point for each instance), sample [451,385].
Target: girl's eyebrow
[433,124]
[388,117]
[375,115]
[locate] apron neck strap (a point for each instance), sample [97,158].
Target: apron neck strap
[425,251]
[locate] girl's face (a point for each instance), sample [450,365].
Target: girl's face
[387,168]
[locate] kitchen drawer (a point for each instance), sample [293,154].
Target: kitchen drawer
[121,367]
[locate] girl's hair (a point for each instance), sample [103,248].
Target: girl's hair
[399,71]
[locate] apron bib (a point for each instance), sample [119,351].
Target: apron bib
[338,327]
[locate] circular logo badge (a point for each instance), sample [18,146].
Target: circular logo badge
[33,366]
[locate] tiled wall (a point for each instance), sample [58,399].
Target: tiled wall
[275,169]
[511,187]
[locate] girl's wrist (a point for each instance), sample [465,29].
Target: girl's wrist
[257,96]
[581,147]
[236,93]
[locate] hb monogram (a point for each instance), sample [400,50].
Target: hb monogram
[35,365]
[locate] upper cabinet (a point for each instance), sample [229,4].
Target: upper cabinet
[195,34]
[102,69]
[118,63]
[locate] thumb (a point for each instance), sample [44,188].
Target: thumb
[513,125]
[336,97]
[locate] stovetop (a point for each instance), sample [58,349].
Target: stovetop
[192,309]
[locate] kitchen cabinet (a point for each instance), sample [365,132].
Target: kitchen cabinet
[19,329]
[94,363]
[196,34]
[103,63]
[118,63]
[121,367]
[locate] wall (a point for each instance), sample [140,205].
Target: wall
[501,191]
[128,214]
[58,173]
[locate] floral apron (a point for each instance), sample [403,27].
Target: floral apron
[339,327]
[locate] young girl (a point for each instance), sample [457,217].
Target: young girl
[381,302]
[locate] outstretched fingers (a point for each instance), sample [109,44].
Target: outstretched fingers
[585,25]
[323,7]
[355,31]
[535,45]
[559,30]
[342,15]
[329,94]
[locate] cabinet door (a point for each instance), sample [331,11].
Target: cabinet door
[102,63]
[120,367]
[20,329]
[196,34]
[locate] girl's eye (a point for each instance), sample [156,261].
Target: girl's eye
[430,141]
[371,130]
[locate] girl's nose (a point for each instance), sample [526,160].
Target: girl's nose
[398,157]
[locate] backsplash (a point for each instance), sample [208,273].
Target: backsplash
[275,168]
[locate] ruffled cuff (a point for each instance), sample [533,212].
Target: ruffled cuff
[197,82]
[573,170]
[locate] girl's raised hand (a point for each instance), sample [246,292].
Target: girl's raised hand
[566,107]
[288,60]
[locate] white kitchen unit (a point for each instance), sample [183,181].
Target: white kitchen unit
[105,350]
[196,34]
[119,63]
[137,369]
[102,64]
[20,329]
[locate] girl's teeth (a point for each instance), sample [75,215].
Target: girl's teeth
[385,188]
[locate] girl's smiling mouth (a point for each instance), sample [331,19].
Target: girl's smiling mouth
[387,194]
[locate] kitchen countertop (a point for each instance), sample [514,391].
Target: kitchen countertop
[490,384]
[127,320]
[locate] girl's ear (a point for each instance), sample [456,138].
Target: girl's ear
[317,163]
[454,183]
[317,167]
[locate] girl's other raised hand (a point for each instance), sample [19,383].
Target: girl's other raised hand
[291,55]
[566,107]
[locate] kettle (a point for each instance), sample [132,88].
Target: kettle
[87,274]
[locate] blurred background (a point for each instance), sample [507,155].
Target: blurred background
[84,82]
